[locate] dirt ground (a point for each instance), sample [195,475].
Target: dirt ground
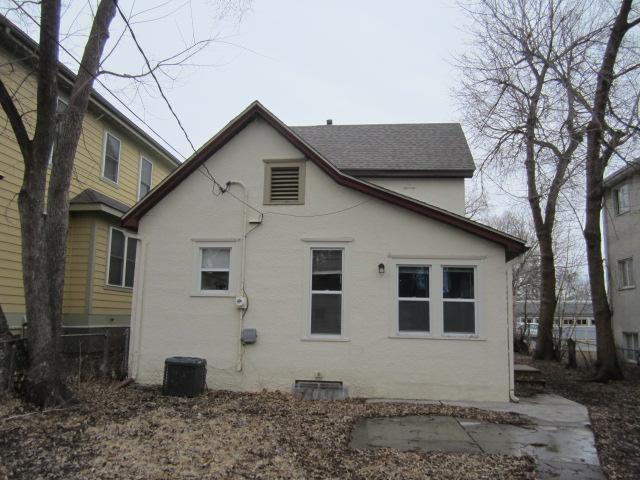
[136,433]
[614,409]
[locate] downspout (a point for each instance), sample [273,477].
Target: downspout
[510,353]
[241,311]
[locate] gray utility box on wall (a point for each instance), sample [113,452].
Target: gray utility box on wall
[184,376]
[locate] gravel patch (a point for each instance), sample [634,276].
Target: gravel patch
[136,433]
[614,409]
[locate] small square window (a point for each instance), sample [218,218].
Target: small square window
[214,269]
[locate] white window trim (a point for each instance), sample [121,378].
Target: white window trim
[104,158]
[412,333]
[198,245]
[630,273]
[344,332]
[626,348]
[144,158]
[53,145]
[461,300]
[127,236]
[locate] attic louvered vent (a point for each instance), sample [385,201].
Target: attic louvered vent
[284,182]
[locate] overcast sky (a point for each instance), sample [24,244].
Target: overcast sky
[307,61]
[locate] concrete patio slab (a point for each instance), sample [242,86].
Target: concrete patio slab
[559,437]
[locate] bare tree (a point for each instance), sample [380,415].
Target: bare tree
[614,121]
[523,116]
[44,235]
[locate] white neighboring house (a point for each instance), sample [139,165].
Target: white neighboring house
[346,276]
[622,246]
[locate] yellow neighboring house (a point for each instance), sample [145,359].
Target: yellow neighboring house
[116,164]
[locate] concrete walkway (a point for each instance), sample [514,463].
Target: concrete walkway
[560,437]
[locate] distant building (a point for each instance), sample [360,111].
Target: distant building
[567,313]
[622,248]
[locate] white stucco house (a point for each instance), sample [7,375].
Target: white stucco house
[344,247]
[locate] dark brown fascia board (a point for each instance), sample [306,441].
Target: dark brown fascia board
[395,173]
[513,246]
[13,35]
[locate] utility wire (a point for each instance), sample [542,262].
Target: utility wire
[153,74]
[101,83]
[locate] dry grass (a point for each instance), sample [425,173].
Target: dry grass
[138,434]
[614,409]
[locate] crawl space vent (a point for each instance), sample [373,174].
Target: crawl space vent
[319,390]
[285,184]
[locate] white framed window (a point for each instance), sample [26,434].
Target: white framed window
[326,298]
[122,258]
[146,172]
[111,157]
[61,107]
[215,269]
[458,300]
[622,199]
[413,299]
[625,273]
[630,349]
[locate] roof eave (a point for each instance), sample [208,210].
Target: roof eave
[405,173]
[513,246]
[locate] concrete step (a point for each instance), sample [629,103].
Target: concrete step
[528,379]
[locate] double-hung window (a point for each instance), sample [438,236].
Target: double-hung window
[622,199]
[326,291]
[413,299]
[111,161]
[630,348]
[458,300]
[146,169]
[122,259]
[215,266]
[625,273]
[61,107]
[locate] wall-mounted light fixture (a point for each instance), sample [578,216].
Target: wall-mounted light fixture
[381,268]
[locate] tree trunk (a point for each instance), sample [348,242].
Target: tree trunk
[5,352]
[607,365]
[544,343]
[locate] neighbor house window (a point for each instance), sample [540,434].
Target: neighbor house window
[61,107]
[284,182]
[122,259]
[413,299]
[111,161]
[630,346]
[622,199]
[326,291]
[214,269]
[625,273]
[458,300]
[146,169]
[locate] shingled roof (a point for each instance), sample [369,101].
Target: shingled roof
[417,150]
[90,199]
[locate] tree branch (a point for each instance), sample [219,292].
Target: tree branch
[19,129]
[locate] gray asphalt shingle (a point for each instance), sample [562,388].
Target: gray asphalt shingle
[436,148]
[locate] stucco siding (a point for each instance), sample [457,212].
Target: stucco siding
[623,241]
[370,358]
[447,193]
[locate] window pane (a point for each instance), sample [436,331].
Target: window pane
[145,177]
[116,257]
[413,282]
[111,169]
[457,282]
[459,317]
[215,257]
[326,313]
[132,244]
[327,270]
[214,281]
[413,316]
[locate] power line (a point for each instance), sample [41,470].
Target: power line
[97,79]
